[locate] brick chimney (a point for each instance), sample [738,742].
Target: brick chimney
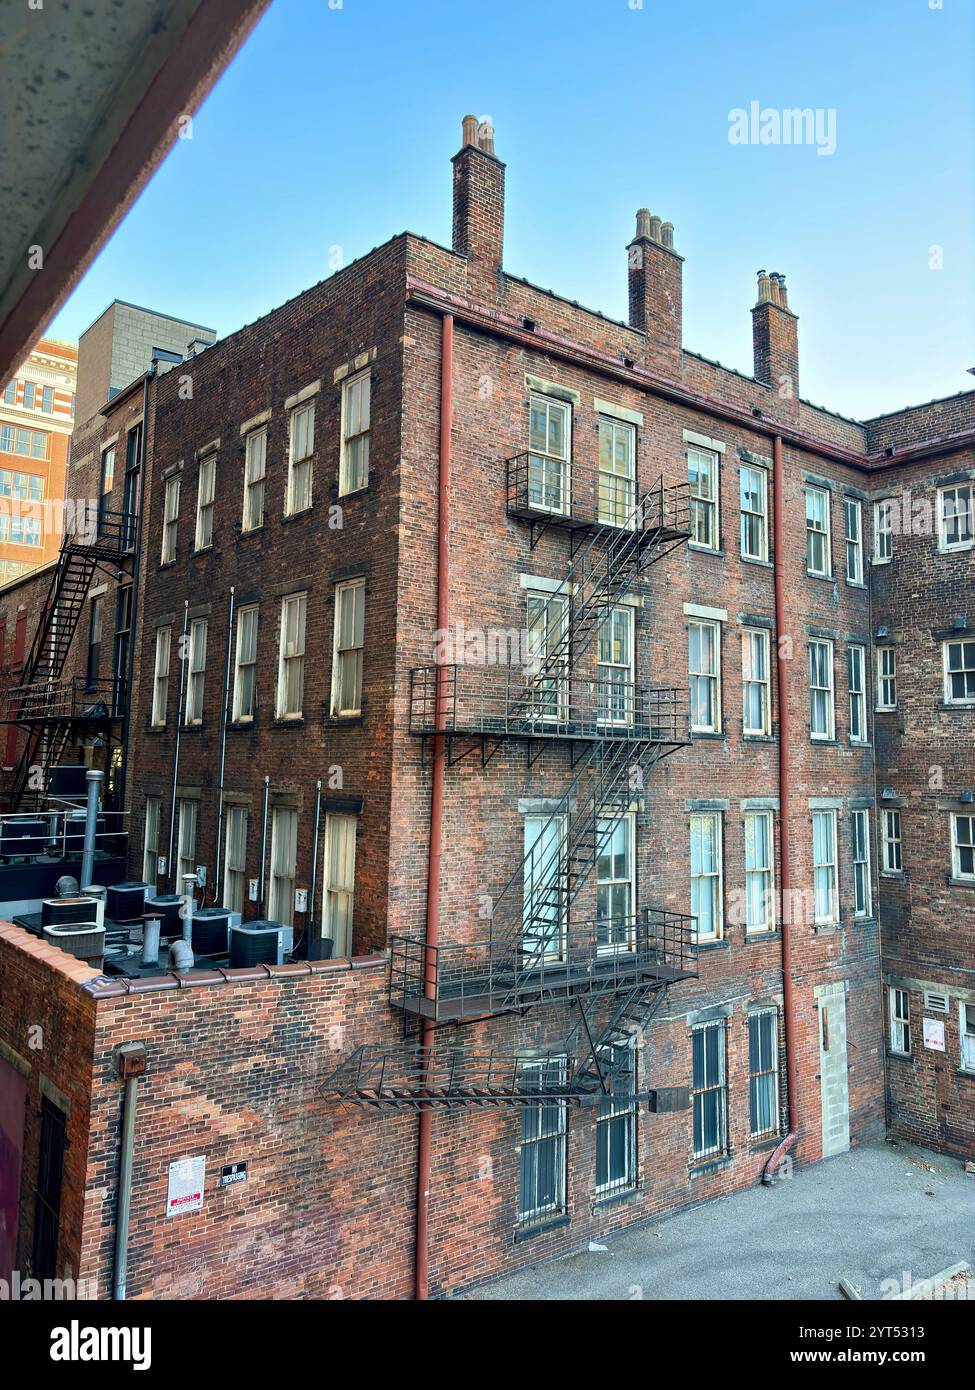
[655,271]
[479,198]
[775,336]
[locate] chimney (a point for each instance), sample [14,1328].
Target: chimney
[775,337]
[655,271]
[479,199]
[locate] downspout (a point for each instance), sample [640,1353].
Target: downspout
[170,871]
[421,1285]
[132,1063]
[222,755]
[785,775]
[136,571]
[264,804]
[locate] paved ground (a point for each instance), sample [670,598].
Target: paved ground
[869,1215]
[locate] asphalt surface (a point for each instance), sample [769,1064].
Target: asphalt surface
[869,1215]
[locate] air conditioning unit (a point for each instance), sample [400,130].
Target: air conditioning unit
[68,780]
[260,943]
[74,832]
[211,931]
[126,902]
[69,912]
[86,941]
[21,839]
[168,906]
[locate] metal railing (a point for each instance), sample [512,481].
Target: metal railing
[75,698]
[59,833]
[572,495]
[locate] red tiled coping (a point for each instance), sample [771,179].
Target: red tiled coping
[113,987]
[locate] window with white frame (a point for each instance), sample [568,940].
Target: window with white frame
[759,899]
[886,678]
[549,453]
[349,643]
[956,517]
[150,845]
[900,1021]
[616,1129]
[354,460]
[160,678]
[339,895]
[197,659]
[702,474]
[205,494]
[856,670]
[542,1177]
[862,887]
[753,489]
[704,666]
[883,531]
[822,712]
[708,1089]
[284,860]
[186,841]
[959,668]
[963,847]
[235,872]
[763,1072]
[817,532]
[707,888]
[170,520]
[291,657]
[891,846]
[756,702]
[617,472]
[615,666]
[245,665]
[853,525]
[255,468]
[825,894]
[966,1030]
[302,444]
[543,892]
[615,883]
[547,618]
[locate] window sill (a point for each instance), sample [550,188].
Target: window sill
[243,533]
[826,578]
[855,584]
[885,709]
[754,560]
[708,733]
[758,738]
[900,1056]
[758,1145]
[353,492]
[711,945]
[756,938]
[528,1232]
[296,721]
[297,516]
[956,549]
[339,721]
[167,564]
[613,1199]
[194,727]
[708,1165]
[961,882]
[705,550]
[818,742]
[877,563]
[892,873]
[202,549]
[859,743]
[964,1075]
[826,928]
[956,706]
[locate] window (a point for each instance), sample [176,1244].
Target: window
[956,517]
[291,657]
[753,486]
[105,490]
[10,392]
[900,1022]
[354,461]
[616,1129]
[197,671]
[966,1030]
[150,849]
[26,487]
[856,666]
[160,677]
[170,520]
[707,895]
[206,488]
[93,669]
[614,883]
[708,1087]
[759,901]
[284,859]
[300,460]
[340,835]
[235,873]
[617,473]
[862,887]
[756,705]
[349,641]
[543,1156]
[47,399]
[615,666]
[245,665]
[817,532]
[130,483]
[963,847]
[704,663]
[893,859]
[763,1073]
[825,896]
[30,391]
[959,665]
[702,474]
[822,714]
[186,842]
[30,443]
[549,436]
[883,531]
[255,464]
[547,617]
[886,678]
[853,516]
[543,906]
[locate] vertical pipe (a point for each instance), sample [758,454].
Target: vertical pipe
[136,571]
[95,779]
[222,756]
[125,1186]
[267,785]
[421,1286]
[313,879]
[183,657]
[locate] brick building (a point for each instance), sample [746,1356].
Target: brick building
[549,660]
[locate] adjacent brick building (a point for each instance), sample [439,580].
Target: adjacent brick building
[532,636]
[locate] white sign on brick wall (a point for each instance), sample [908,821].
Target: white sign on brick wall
[934,1034]
[185,1186]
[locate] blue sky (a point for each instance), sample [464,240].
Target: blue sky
[333,128]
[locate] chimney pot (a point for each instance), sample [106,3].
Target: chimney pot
[643,222]
[485,137]
[667,234]
[655,228]
[468,131]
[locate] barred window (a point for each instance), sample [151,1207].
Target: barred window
[763,1068]
[543,1147]
[616,1128]
[709,1089]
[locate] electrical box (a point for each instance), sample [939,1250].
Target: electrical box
[301,900]
[669,1099]
[132,1060]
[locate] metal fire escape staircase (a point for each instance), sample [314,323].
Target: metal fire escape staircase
[52,711]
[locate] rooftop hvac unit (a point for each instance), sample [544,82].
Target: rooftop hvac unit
[61,912]
[20,839]
[211,931]
[87,942]
[126,902]
[68,779]
[168,906]
[74,832]
[260,943]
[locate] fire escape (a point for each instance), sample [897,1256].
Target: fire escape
[534,951]
[53,710]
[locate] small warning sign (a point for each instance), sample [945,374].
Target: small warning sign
[185,1186]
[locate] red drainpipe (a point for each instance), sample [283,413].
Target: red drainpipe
[421,1282]
[785,773]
